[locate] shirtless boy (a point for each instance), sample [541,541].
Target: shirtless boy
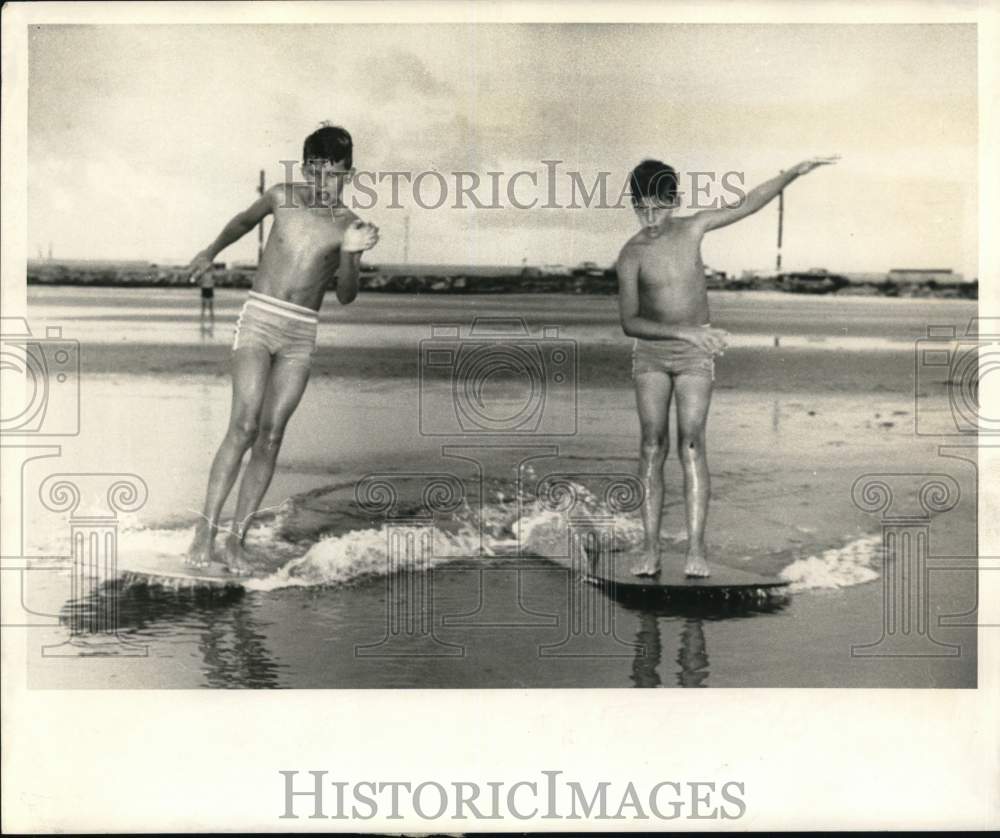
[312,238]
[663,304]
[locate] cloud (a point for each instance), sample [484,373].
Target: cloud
[398,74]
[158,132]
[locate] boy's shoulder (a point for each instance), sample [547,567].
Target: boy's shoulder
[282,193]
[630,248]
[679,225]
[298,195]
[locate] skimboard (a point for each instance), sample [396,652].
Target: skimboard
[611,571]
[160,570]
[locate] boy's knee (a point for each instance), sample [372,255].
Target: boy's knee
[654,444]
[270,436]
[691,445]
[244,429]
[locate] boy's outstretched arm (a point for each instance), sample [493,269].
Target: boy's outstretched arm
[237,227]
[758,197]
[636,326]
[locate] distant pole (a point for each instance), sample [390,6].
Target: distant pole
[406,239]
[260,227]
[781,222]
[50,251]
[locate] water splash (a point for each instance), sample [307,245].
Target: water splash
[364,554]
[506,525]
[840,567]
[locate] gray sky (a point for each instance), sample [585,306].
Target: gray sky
[144,140]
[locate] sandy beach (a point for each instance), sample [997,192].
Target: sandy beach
[814,393]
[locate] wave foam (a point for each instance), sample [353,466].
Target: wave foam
[360,554]
[840,567]
[508,526]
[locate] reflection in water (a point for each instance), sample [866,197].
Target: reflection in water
[221,624]
[206,325]
[692,655]
[647,653]
[692,652]
[235,654]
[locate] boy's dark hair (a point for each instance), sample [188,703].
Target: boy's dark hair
[329,142]
[653,179]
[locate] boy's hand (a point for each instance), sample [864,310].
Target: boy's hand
[360,236]
[705,338]
[807,166]
[201,263]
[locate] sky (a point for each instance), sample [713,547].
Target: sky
[144,140]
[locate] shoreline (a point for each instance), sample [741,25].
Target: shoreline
[791,370]
[438,287]
[588,279]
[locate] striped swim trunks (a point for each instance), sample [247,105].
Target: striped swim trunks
[284,329]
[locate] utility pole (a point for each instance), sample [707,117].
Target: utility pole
[406,239]
[781,221]
[260,227]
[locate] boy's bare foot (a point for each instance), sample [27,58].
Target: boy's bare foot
[236,556]
[696,564]
[201,553]
[648,564]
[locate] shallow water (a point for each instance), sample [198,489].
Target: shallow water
[513,624]
[496,599]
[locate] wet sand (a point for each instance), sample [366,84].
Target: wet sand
[791,429]
[782,369]
[824,342]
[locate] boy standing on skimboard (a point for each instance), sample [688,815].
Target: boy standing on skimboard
[312,238]
[663,302]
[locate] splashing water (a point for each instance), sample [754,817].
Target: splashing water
[508,525]
[504,527]
[841,567]
[361,554]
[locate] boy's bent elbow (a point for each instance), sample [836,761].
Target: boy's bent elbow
[240,226]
